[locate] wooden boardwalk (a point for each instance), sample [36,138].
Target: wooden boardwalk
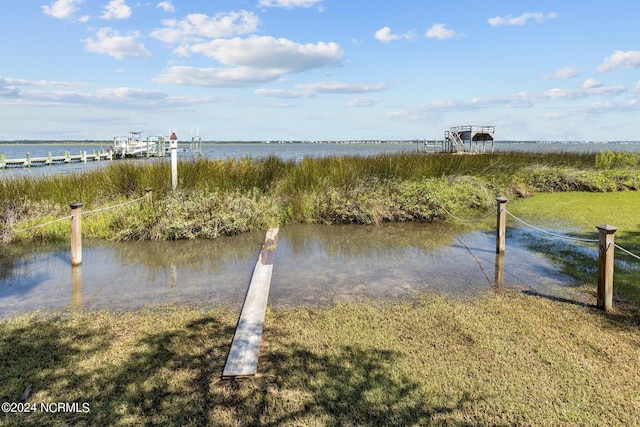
[48,160]
[242,360]
[67,157]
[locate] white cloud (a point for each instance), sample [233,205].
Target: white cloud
[340,87]
[564,73]
[166,6]
[196,27]
[264,52]
[592,84]
[522,19]
[70,93]
[62,8]
[438,31]
[360,101]
[283,93]
[216,77]
[516,100]
[250,61]
[288,4]
[621,59]
[384,35]
[4,81]
[310,90]
[112,43]
[116,9]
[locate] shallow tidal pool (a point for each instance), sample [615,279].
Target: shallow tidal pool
[314,264]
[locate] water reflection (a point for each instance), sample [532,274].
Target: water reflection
[314,264]
[322,264]
[76,286]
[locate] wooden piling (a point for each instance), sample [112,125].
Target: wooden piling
[605,266]
[76,233]
[501,227]
[499,271]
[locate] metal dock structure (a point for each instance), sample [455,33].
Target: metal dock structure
[461,139]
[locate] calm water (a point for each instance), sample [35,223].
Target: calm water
[295,151]
[314,264]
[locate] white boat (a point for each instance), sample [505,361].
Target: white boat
[133,145]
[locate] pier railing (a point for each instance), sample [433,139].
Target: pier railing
[97,155]
[605,242]
[49,159]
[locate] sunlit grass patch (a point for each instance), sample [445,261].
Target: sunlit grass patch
[506,358]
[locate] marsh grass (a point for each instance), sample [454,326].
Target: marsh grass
[504,359]
[358,189]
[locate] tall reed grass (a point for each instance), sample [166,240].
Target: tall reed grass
[251,193]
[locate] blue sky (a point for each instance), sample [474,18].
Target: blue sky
[320,69]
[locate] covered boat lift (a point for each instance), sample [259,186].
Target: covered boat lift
[461,139]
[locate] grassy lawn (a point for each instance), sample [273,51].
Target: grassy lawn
[580,212]
[584,210]
[505,359]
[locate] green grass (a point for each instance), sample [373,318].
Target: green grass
[580,213]
[505,359]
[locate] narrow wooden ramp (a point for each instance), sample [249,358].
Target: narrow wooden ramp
[242,360]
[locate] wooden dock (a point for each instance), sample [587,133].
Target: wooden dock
[242,360]
[159,150]
[49,160]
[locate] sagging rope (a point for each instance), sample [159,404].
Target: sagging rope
[112,207]
[468,220]
[571,238]
[626,251]
[36,226]
[550,233]
[5,235]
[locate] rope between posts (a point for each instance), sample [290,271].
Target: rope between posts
[69,217]
[468,220]
[550,233]
[112,207]
[36,226]
[626,251]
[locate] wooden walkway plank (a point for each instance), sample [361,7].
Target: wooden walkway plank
[242,360]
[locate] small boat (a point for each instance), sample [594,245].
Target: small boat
[133,145]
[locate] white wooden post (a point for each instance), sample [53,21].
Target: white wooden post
[76,233]
[173,145]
